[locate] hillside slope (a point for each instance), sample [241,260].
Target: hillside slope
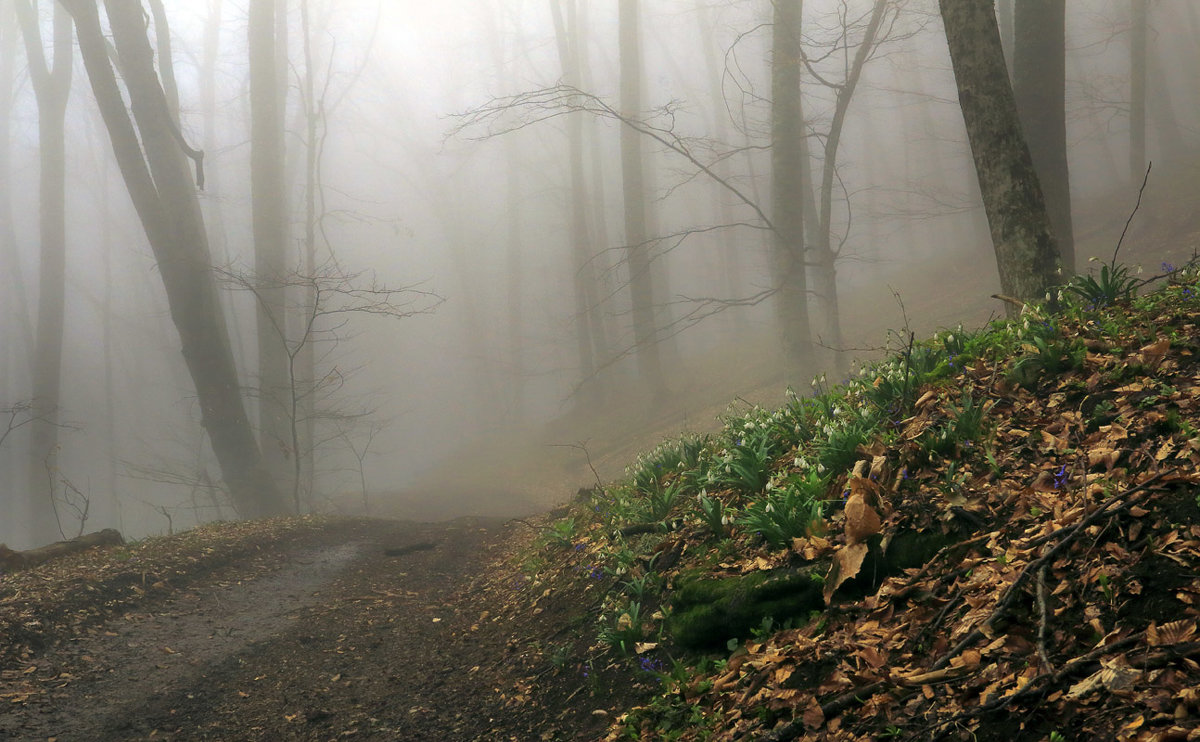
[992,535]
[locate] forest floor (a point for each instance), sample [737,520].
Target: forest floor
[287,630]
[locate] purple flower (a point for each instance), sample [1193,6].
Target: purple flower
[1060,477]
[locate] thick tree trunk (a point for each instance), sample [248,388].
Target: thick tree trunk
[787,168]
[269,222]
[633,188]
[161,188]
[1026,254]
[52,86]
[1039,84]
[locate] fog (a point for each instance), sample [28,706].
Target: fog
[513,346]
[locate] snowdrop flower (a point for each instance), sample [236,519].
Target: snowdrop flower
[820,468]
[800,462]
[770,508]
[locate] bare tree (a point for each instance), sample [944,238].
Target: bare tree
[329,298]
[1026,254]
[52,87]
[641,282]
[160,185]
[269,221]
[787,184]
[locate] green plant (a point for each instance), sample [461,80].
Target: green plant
[561,532]
[1113,284]
[839,450]
[637,587]
[787,511]
[624,630]
[747,466]
[660,500]
[712,514]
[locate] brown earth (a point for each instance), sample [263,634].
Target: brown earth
[370,629]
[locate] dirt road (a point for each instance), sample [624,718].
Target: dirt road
[371,630]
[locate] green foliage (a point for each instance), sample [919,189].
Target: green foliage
[623,630]
[713,514]
[1112,285]
[787,511]
[561,533]
[746,466]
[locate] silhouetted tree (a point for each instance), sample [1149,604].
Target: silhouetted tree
[159,183]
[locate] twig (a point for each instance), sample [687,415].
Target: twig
[1041,600]
[1069,534]
[1128,221]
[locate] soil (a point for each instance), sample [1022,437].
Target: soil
[371,629]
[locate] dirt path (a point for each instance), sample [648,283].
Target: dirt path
[373,632]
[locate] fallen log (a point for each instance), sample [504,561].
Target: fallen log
[11,561]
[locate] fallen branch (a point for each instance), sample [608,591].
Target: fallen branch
[1068,536]
[12,561]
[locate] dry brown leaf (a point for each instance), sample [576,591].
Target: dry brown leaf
[846,564]
[1153,354]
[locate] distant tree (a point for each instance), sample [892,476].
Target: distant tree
[268,197]
[1026,254]
[324,302]
[159,182]
[52,87]
[591,341]
[1039,85]
[633,189]
[787,184]
[1138,27]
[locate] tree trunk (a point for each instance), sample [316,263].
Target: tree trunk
[1006,18]
[590,331]
[269,222]
[52,86]
[787,168]
[826,256]
[161,188]
[1026,254]
[1139,9]
[633,189]
[1039,85]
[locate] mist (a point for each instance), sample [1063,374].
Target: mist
[455,180]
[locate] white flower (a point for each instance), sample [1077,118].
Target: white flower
[769,508]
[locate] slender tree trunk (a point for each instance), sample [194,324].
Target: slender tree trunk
[1039,85]
[787,169]
[160,185]
[731,257]
[1139,9]
[17,303]
[269,221]
[52,87]
[826,256]
[589,333]
[633,188]
[1026,254]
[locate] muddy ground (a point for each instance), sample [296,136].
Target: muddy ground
[365,629]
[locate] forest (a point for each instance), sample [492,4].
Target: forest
[362,243]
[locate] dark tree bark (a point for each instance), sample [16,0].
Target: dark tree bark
[160,185]
[269,223]
[1026,254]
[1006,18]
[52,87]
[1039,85]
[633,187]
[787,168]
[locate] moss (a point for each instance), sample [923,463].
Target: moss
[710,611]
